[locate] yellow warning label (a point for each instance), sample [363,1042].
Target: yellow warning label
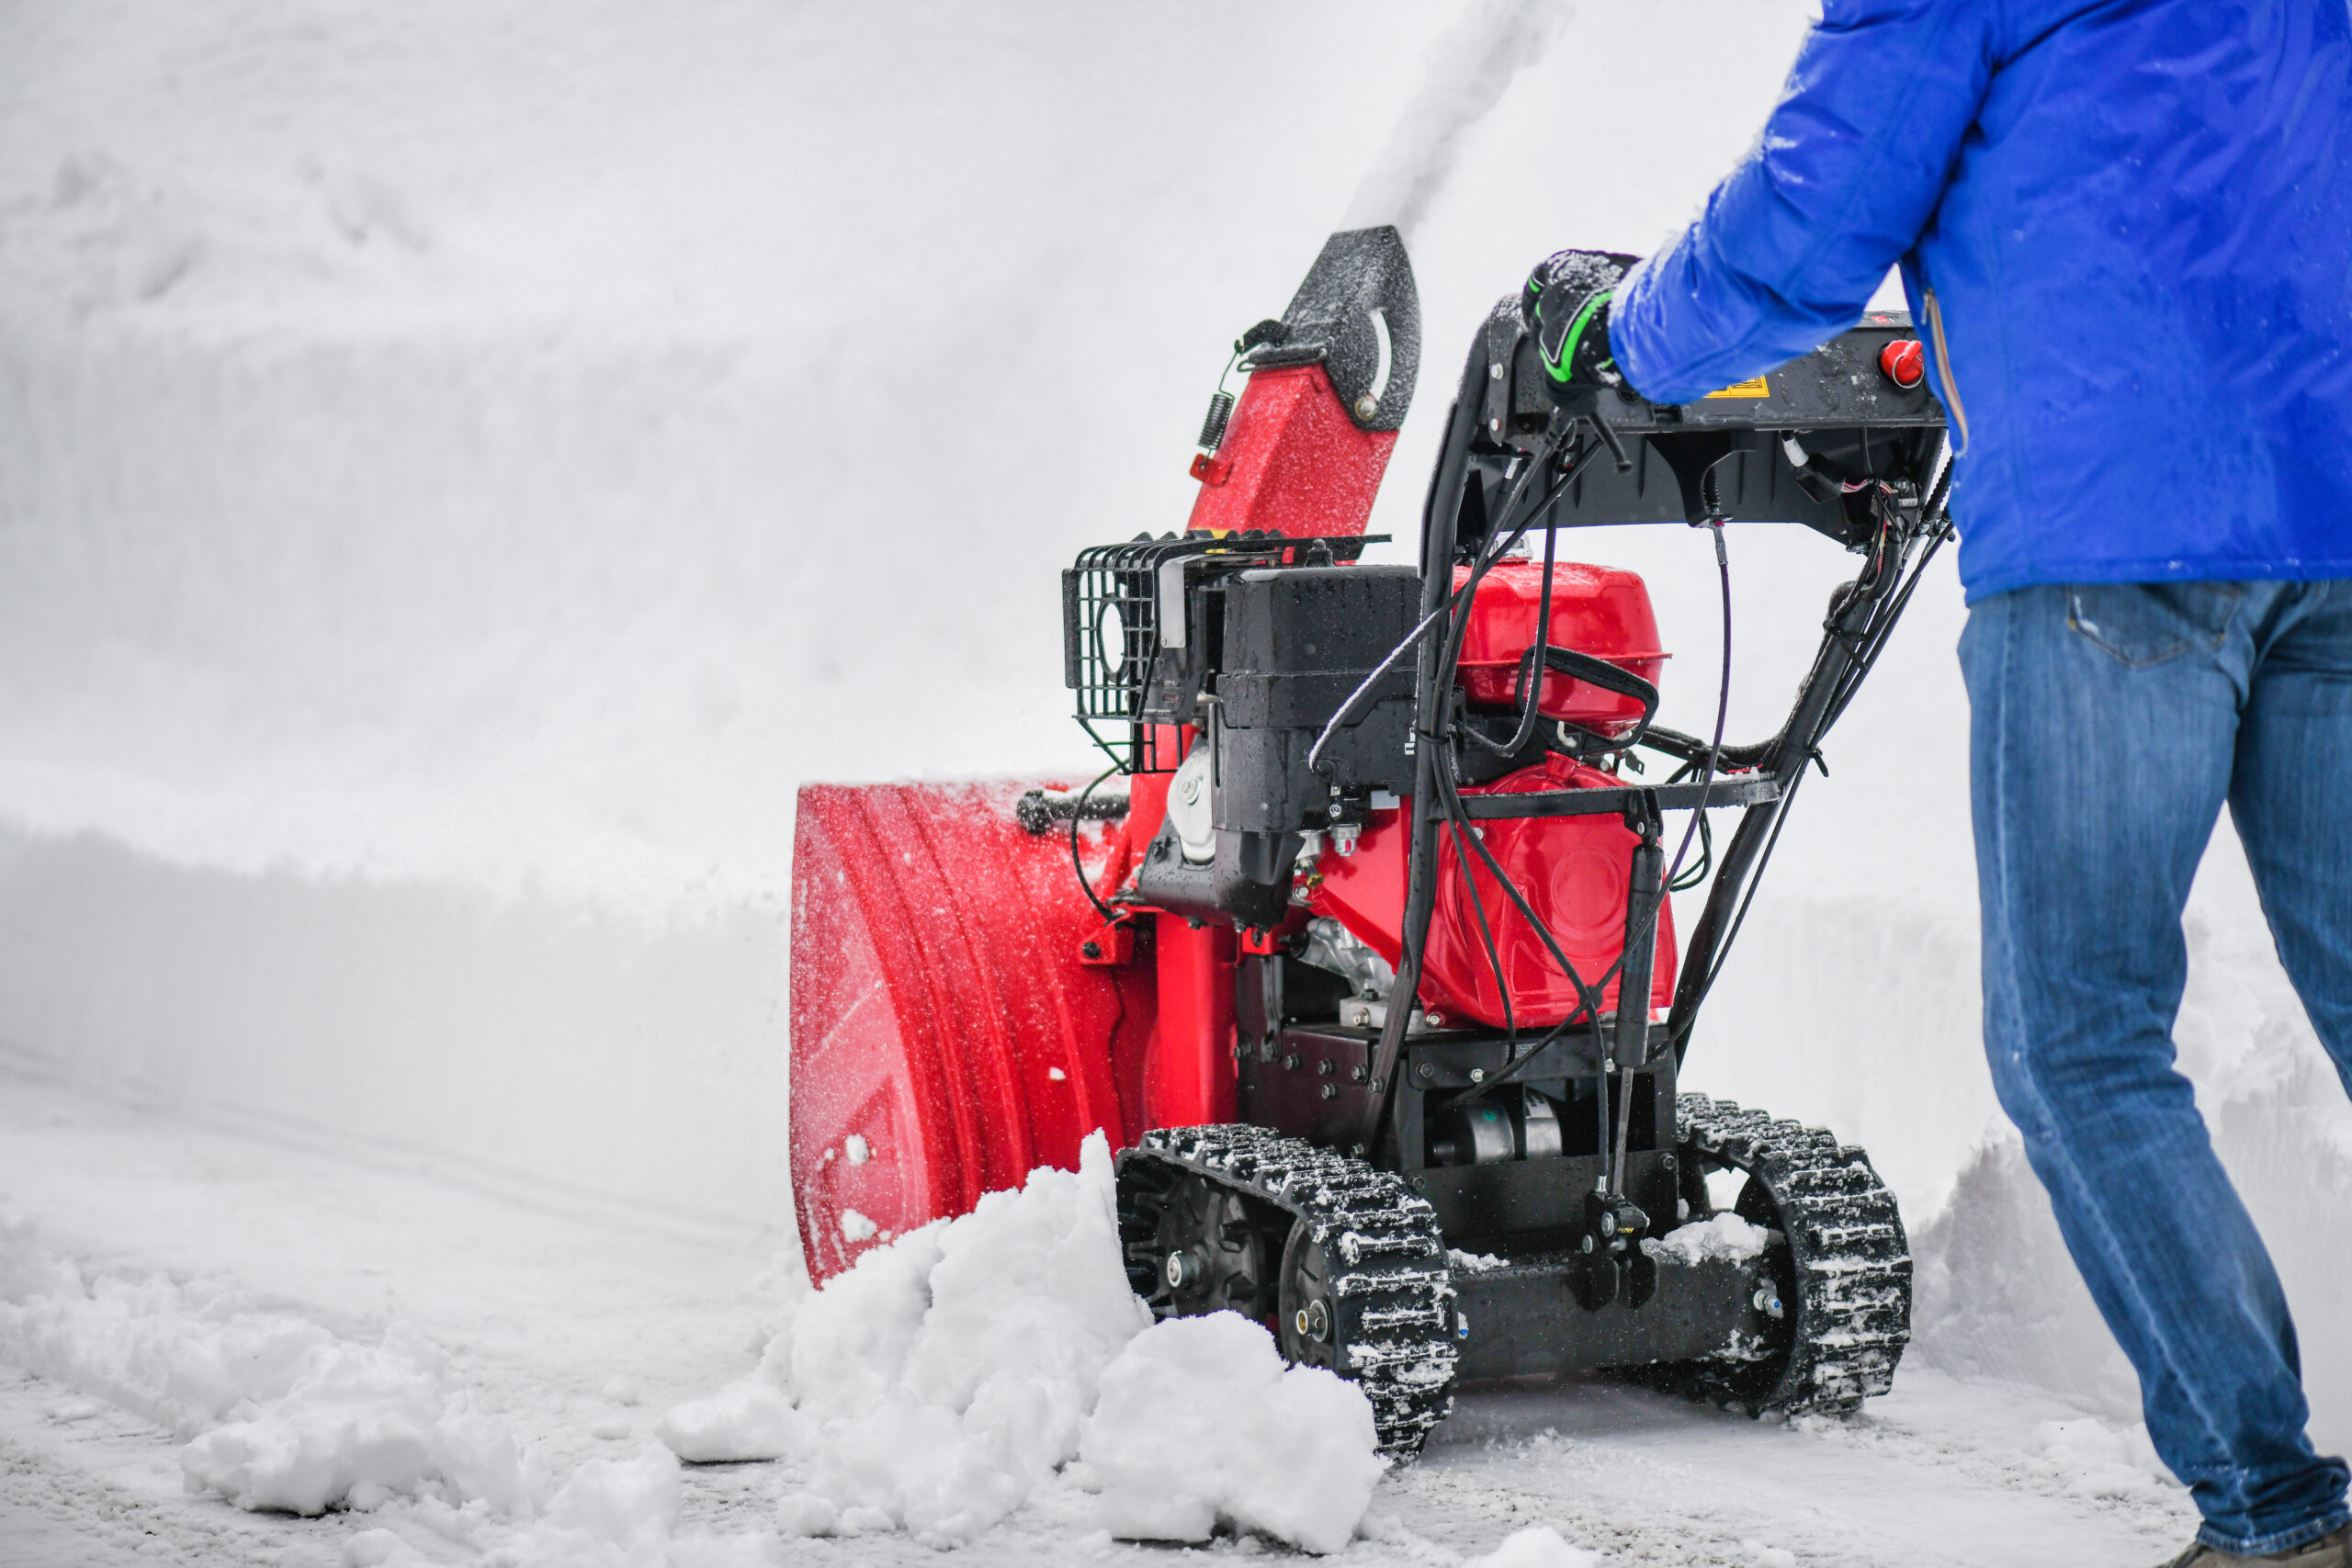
[1757,387]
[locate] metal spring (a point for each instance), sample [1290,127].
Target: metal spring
[1213,427]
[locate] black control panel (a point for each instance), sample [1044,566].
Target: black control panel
[1795,445]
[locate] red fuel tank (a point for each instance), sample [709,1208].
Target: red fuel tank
[1599,610]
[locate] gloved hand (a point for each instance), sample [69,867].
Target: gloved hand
[1566,306]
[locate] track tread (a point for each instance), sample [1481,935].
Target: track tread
[1852,1264]
[1397,1286]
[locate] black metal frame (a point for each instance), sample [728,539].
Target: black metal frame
[1882,496]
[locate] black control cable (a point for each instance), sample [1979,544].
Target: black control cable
[1078,815]
[1723,711]
[1937,530]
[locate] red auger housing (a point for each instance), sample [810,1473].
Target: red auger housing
[1361,949]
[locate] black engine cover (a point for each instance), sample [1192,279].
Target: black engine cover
[1298,641]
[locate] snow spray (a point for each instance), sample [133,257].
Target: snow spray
[1469,70]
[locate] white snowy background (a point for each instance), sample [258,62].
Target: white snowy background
[463,464]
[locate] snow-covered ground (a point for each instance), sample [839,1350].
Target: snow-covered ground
[462,465]
[576,1331]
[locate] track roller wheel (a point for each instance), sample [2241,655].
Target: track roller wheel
[1210,1253]
[1306,1315]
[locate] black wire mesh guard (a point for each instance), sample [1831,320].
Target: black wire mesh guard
[1111,641]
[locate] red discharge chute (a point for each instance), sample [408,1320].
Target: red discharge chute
[946,1036]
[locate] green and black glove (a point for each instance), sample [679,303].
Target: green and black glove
[1566,306]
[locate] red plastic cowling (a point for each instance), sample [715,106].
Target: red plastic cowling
[1292,462]
[957,1038]
[1597,609]
[1188,1068]
[1574,872]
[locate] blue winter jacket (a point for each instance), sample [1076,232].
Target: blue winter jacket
[2136,218]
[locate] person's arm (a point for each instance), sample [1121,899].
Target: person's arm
[1848,173]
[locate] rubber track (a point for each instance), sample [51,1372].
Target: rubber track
[1390,1280]
[1852,1264]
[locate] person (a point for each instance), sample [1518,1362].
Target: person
[2125,229]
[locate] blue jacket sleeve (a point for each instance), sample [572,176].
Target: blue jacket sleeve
[1844,179]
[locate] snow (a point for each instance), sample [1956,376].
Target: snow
[945,1377]
[948,1375]
[1539,1545]
[361,1423]
[745,1420]
[459,462]
[537,1304]
[1201,1423]
[1718,1236]
[283,1415]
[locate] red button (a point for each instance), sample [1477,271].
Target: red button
[1905,362]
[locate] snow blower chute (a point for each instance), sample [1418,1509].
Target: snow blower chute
[1339,949]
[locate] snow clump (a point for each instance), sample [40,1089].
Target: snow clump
[1719,1235]
[1540,1546]
[746,1420]
[1200,1421]
[362,1424]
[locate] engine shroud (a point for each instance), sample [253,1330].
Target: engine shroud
[1273,653]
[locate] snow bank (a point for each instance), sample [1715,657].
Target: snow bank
[950,1373]
[1200,1423]
[361,1425]
[280,1413]
[608,1508]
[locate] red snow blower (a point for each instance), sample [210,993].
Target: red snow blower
[1367,961]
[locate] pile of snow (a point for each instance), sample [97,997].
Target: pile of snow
[360,1426]
[280,1413]
[1201,1423]
[1718,1235]
[948,1374]
[937,1384]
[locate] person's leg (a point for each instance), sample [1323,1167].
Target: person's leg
[2102,737]
[2290,806]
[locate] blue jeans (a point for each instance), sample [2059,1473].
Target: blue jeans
[2107,724]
